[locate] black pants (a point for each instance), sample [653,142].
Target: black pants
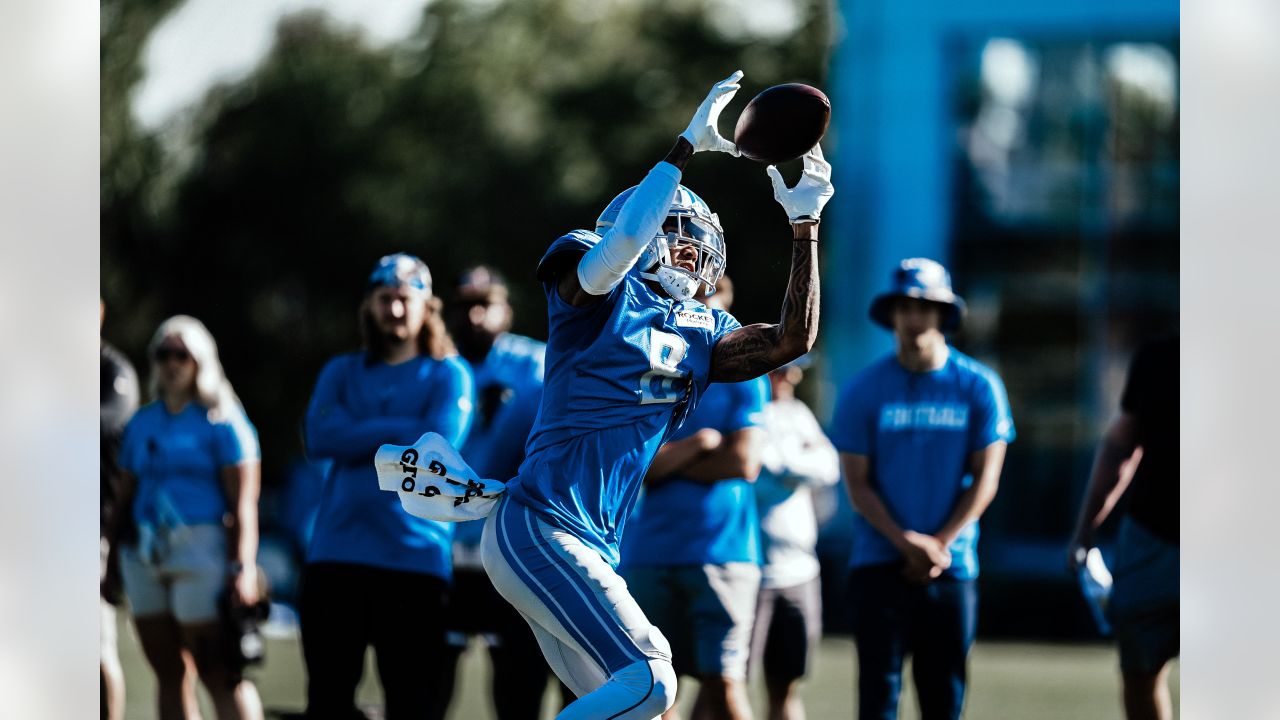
[520,672]
[345,608]
[934,623]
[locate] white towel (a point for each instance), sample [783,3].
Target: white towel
[434,482]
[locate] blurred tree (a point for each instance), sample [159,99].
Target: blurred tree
[129,160]
[493,129]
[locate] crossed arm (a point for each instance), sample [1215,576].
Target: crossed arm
[708,457]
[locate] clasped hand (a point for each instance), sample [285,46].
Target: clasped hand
[927,557]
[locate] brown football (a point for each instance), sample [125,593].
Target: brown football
[782,123]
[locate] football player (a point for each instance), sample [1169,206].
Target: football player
[508,370]
[692,554]
[629,354]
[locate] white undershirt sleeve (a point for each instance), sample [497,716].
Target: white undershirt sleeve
[603,266]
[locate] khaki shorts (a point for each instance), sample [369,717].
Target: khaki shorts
[181,574]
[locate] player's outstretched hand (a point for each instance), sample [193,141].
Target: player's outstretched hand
[702,133]
[805,201]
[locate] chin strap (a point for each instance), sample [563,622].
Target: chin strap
[679,283]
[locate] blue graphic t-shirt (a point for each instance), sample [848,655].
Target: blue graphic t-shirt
[686,522]
[178,459]
[508,391]
[358,405]
[621,375]
[918,431]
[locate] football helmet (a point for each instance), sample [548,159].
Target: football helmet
[689,221]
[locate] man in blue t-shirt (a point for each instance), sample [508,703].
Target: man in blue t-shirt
[508,370]
[922,435]
[692,555]
[630,353]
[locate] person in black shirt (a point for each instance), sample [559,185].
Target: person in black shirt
[119,400]
[1138,458]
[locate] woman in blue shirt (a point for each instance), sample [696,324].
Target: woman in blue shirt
[376,575]
[191,465]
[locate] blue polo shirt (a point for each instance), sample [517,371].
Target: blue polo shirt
[918,431]
[687,522]
[178,459]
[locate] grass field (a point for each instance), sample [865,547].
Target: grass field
[1008,681]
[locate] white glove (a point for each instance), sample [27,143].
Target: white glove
[804,202]
[434,482]
[702,133]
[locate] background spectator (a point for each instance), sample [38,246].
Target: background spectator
[796,459]
[194,456]
[922,435]
[376,575]
[1138,458]
[508,370]
[118,401]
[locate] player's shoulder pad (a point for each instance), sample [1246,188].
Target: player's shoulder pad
[576,242]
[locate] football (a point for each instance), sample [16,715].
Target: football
[782,123]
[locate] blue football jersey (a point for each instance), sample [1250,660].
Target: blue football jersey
[621,376]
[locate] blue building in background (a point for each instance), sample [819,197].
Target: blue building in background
[1033,149]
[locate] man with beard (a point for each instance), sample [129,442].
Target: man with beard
[508,370]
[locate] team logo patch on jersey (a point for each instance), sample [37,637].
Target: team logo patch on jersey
[692,318]
[923,416]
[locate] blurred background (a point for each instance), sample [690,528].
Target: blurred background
[258,157]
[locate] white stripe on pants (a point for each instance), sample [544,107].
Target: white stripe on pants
[593,634]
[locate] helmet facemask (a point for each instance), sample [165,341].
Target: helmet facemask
[685,226]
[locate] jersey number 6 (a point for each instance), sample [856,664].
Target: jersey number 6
[664,381]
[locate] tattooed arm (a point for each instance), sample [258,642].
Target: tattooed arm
[754,350]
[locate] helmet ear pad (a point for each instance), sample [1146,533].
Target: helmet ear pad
[656,253]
